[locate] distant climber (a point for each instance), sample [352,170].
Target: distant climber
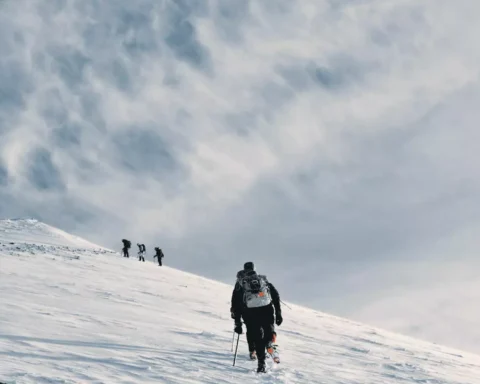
[126,246]
[141,252]
[254,299]
[159,255]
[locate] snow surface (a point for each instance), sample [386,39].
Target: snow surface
[73,312]
[36,232]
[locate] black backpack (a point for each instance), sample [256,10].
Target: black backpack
[127,243]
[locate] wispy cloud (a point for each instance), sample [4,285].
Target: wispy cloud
[324,140]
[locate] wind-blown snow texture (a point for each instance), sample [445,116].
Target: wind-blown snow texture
[76,313]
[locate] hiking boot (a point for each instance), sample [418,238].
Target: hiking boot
[272,351]
[262,368]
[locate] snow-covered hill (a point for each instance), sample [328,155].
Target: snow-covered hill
[73,312]
[32,231]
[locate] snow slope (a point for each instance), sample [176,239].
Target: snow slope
[73,312]
[35,232]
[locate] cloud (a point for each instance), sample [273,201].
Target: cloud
[3,176]
[42,173]
[331,142]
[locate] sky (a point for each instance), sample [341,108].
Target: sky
[334,143]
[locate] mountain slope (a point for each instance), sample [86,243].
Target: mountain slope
[78,314]
[35,232]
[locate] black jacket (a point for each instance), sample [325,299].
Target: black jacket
[238,307]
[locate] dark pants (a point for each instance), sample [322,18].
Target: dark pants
[250,342]
[141,258]
[260,327]
[160,261]
[125,252]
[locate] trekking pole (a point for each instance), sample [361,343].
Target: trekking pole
[236,350]
[286,305]
[233,340]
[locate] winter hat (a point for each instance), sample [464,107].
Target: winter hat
[249,266]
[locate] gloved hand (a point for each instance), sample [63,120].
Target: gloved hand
[278,318]
[238,328]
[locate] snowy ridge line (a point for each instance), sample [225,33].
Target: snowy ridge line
[35,232]
[13,248]
[20,219]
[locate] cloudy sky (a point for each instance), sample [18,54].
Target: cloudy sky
[334,143]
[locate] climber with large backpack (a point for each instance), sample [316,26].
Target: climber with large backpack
[159,254]
[126,246]
[250,341]
[257,301]
[141,252]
